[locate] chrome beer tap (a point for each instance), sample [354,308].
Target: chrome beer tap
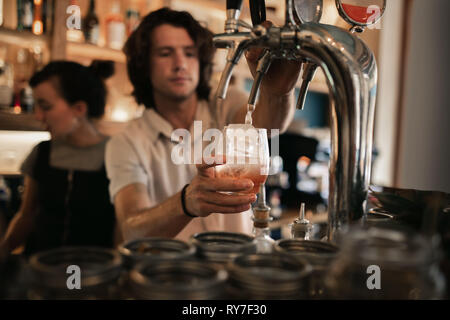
[351,73]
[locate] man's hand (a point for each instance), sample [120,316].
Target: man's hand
[282,74]
[203,195]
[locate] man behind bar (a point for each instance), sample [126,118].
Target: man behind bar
[169,61]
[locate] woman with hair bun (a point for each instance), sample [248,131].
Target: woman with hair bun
[66,200]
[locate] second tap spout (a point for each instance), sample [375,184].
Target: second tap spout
[263,65]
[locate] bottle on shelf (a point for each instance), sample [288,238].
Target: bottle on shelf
[115,28]
[26,99]
[132,20]
[6,80]
[38,24]
[21,76]
[91,26]
[24,15]
[47,15]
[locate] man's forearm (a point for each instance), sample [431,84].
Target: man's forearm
[274,112]
[165,220]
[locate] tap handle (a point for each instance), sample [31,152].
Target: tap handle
[234,4]
[258,11]
[233,13]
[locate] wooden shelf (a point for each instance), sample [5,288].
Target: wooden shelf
[22,38]
[19,122]
[94,52]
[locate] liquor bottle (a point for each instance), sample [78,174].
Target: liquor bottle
[115,28]
[6,80]
[91,27]
[44,8]
[38,24]
[47,15]
[27,99]
[132,21]
[24,14]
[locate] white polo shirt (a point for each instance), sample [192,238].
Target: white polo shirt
[142,154]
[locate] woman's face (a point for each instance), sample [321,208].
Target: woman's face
[58,117]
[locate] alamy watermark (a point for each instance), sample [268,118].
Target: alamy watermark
[74,19]
[74,280]
[373,20]
[374,281]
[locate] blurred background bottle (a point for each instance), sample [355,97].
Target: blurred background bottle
[6,79]
[47,15]
[115,27]
[132,20]
[23,70]
[24,15]
[26,99]
[91,26]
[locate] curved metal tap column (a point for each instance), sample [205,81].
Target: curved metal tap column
[351,73]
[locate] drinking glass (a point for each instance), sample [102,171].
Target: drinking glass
[247,154]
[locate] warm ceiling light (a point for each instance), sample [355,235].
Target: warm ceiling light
[38,27]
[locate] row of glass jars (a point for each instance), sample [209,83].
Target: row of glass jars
[223,265]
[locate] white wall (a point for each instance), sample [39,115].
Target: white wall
[424,148]
[15,147]
[389,56]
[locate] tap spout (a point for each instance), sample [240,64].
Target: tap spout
[263,65]
[236,43]
[308,74]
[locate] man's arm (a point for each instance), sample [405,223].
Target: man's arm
[276,106]
[138,218]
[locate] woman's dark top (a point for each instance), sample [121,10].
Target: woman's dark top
[74,205]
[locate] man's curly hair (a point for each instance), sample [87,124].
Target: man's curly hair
[138,48]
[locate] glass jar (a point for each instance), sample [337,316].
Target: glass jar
[100,274]
[385,263]
[268,276]
[222,247]
[319,254]
[181,279]
[154,249]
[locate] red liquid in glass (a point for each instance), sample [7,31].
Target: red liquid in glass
[357,13]
[247,171]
